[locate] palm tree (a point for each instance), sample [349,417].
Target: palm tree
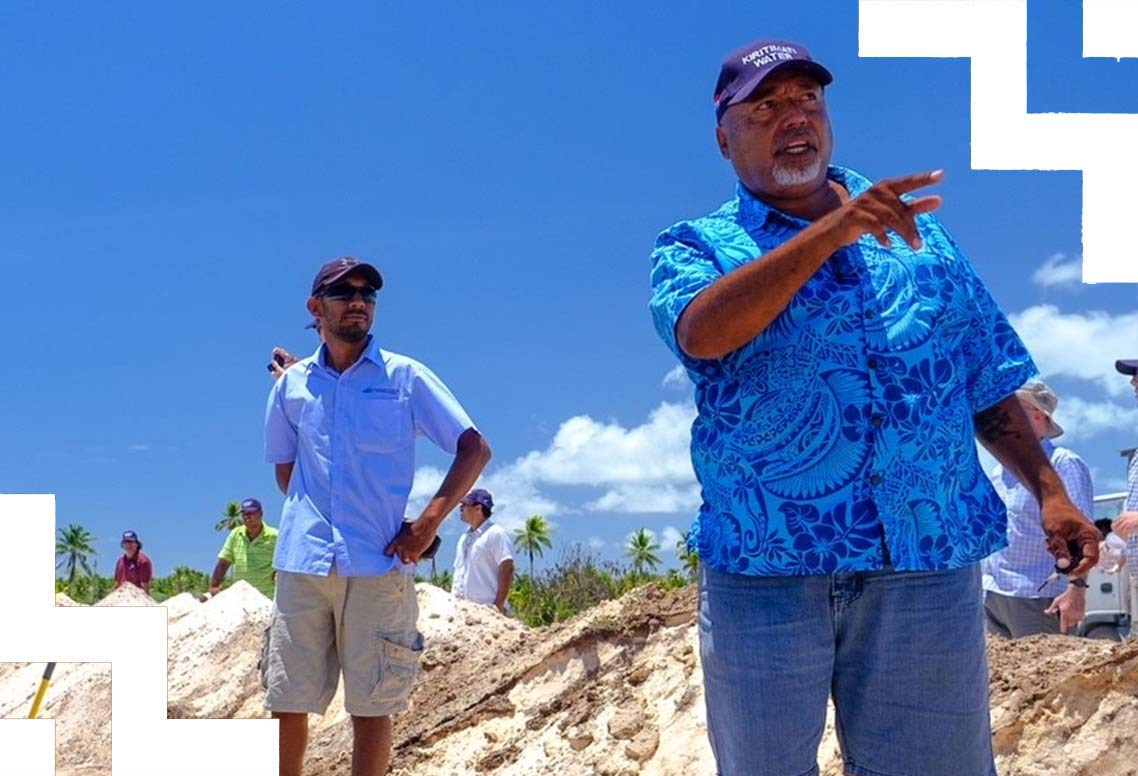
[642,548]
[230,518]
[185,579]
[534,536]
[689,559]
[75,546]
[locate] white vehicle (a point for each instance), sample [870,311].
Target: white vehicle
[1108,595]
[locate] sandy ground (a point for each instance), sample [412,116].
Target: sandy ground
[614,692]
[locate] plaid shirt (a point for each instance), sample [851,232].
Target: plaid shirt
[1130,506]
[1020,568]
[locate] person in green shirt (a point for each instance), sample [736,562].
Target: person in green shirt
[249,549]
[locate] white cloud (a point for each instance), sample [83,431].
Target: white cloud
[1059,270]
[596,543]
[587,452]
[677,377]
[670,536]
[648,499]
[1079,345]
[516,498]
[426,484]
[644,469]
[1082,419]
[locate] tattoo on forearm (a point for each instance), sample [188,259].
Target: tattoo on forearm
[994,423]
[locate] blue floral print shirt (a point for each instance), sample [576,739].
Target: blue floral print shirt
[849,419]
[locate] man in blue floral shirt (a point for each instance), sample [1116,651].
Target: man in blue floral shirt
[845,356]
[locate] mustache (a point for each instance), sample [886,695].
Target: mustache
[795,135]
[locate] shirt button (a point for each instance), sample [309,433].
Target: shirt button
[875,420]
[875,480]
[870,314]
[873,363]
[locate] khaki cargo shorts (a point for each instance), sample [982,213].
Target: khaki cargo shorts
[365,626]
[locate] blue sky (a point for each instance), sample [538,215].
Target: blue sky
[174,175]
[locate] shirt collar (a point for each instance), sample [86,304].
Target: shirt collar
[371,353]
[760,212]
[244,529]
[480,529]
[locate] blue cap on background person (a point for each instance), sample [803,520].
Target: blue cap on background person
[744,69]
[130,536]
[251,505]
[480,497]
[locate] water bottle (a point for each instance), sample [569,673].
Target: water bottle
[1110,554]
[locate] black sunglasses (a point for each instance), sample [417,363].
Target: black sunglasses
[346,292]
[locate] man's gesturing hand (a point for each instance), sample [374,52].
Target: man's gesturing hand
[880,208]
[1066,529]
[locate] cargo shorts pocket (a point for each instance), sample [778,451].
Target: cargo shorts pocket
[398,667]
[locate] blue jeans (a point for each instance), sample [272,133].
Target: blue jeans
[902,654]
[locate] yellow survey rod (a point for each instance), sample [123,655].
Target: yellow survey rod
[42,691]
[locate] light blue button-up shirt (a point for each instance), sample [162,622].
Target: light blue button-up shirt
[851,414]
[352,437]
[1021,567]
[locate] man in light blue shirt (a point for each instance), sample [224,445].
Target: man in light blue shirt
[340,428]
[1020,596]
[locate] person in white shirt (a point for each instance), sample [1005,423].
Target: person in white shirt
[484,561]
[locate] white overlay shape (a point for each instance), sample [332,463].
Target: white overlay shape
[27,747]
[133,641]
[993,33]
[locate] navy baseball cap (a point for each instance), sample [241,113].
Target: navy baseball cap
[1127,366]
[745,68]
[341,267]
[129,536]
[250,505]
[479,496]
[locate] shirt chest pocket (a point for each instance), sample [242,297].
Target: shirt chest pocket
[382,423]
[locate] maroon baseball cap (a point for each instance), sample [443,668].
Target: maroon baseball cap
[341,267]
[747,67]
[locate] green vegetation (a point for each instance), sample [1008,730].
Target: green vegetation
[641,550]
[92,588]
[75,549]
[689,558]
[534,537]
[443,580]
[580,581]
[230,518]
